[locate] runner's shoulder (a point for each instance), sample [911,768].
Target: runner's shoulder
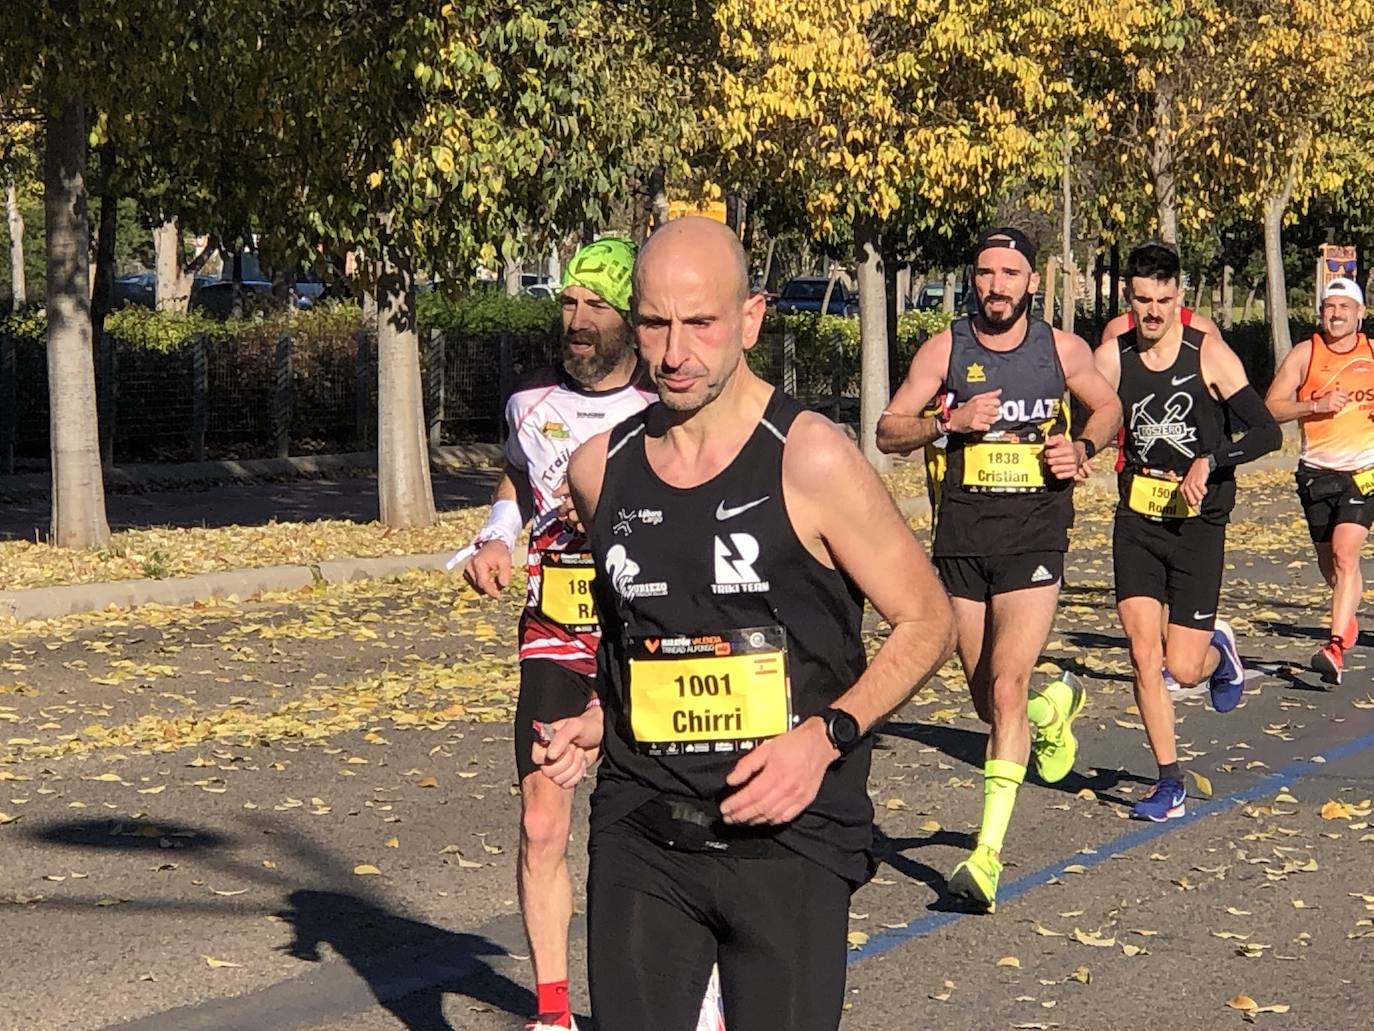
[587,472]
[818,454]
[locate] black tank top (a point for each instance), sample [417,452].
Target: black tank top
[676,563]
[1005,520]
[1171,418]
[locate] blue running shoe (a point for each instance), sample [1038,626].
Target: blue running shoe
[1164,802]
[1228,679]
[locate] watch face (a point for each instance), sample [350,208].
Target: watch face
[844,728]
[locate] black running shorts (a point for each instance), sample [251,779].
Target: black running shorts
[1178,562]
[658,917]
[1329,498]
[548,691]
[978,578]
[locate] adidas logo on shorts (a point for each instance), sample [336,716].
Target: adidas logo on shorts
[1040,575]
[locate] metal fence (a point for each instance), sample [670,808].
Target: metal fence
[273,396]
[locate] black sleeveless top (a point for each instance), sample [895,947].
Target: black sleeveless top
[1034,407]
[1171,418]
[723,556]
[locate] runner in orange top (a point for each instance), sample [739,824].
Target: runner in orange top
[1327,384]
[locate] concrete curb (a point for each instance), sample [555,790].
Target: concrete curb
[133,478]
[53,602]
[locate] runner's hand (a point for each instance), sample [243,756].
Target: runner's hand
[1194,485]
[1331,402]
[566,511]
[1062,457]
[573,749]
[779,778]
[1085,471]
[489,570]
[977,414]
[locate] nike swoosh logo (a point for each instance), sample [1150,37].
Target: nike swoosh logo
[1178,381]
[1202,615]
[729,513]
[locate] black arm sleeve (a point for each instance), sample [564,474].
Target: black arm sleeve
[1262,433]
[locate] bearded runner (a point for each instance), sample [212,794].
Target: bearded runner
[1006,504]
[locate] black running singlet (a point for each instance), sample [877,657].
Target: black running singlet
[1171,419]
[720,630]
[998,498]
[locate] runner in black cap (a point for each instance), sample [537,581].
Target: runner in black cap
[1006,505]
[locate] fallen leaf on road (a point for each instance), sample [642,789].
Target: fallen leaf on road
[1204,785]
[1009,961]
[1083,938]
[366,870]
[210,961]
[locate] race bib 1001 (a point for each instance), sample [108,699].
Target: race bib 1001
[996,466]
[565,589]
[713,692]
[1158,498]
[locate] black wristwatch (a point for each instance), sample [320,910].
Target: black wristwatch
[1089,448]
[842,729]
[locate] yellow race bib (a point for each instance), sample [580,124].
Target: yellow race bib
[1158,498]
[565,589]
[707,693]
[1364,480]
[1001,466]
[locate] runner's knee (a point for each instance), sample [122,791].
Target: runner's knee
[545,820]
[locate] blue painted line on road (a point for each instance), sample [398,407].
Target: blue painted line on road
[891,938]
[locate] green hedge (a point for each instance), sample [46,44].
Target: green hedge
[475,314]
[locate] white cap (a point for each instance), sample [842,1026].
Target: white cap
[1344,287]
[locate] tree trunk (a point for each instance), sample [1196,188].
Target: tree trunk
[1200,292]
[829,289]
[1162,163]
[1051,281]
[403,483]
[1276,286]
[1228,298]
[173,291]
[947,298]
[18,289]
[658,197]
[1066,185]
[78,492]
[1249,308]
[873,385]
[512,279]
[102,296]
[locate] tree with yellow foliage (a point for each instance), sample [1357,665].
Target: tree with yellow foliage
[885,115]
[1284,108]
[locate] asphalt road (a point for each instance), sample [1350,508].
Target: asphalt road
[193,802]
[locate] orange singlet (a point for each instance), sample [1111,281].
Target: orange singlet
[1344,441]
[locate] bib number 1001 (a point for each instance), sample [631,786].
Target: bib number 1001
[699,686]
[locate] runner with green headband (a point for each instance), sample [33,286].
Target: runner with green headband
[596,385]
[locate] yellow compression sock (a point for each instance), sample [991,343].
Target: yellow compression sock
[1001,779]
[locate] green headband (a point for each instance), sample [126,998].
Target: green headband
[606,268]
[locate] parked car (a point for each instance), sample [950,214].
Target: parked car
[139,288]
[543,291]
[805,293]
[932,297]
[216,298]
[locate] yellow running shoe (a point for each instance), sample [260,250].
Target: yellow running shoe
[1055,748]
[975,879]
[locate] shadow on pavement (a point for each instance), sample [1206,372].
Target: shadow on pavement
[893,852]
[251,504]
[407,964]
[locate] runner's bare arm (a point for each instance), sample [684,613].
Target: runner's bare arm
[489,569]
[902,428]
[1068,459]
[586,471]
[859,530]
[1282,398]
[1107,359]
[1087,384]
[1225,376]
